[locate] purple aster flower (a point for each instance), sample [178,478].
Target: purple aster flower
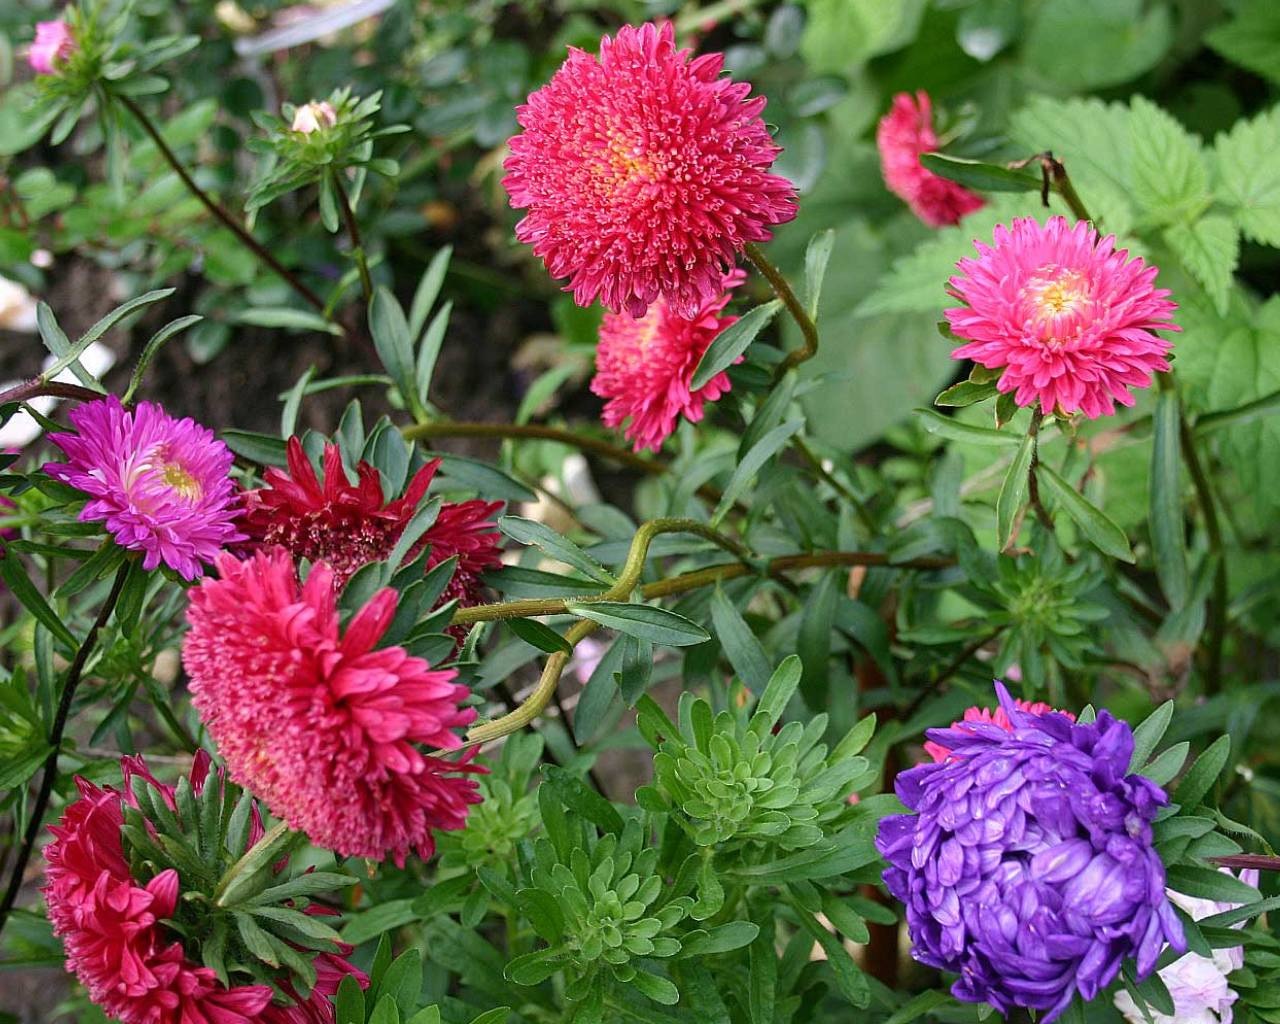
[161,485]
[1027,867]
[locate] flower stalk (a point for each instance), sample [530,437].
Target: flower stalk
[782,289]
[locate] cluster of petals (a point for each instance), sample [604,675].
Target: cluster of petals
[113,928]
[644,173]
[1068,319]
[1027,864]
[1198,985]
[997,717]
[318,721]
[902,135]
[53,44]
[314,116]
[645,366]
[348,525]
[162,486]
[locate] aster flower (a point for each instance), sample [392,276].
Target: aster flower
[1027,865]
[350,525]
[645,367]
[313,116]
[998,717]
[113,926]
[902,135]
[644,173]
[322,724]
[161,485]
[1197,984]
[1069,319]
[53,44]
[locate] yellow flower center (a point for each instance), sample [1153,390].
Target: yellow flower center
[181,481]
[1057,301]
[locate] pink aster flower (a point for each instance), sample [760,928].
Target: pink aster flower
[320,723]
[53,44]
[1068,318]
[114,933]
[161,485]
[645,367]
[999,717]
[902,135]
[644,173]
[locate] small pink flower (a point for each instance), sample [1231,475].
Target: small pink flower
[1068,318]
[645,173]
[53,44]
[162,486]
[314,116]
[902,135]
[940,753]
[645,367]
[322,723]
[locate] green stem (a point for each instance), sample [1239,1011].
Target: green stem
[815,463]
[794,306]
[353,231]
[61,715]
[1057,174]
[442,428]
[1033,483]
[229,222]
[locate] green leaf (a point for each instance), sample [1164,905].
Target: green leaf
[730,343]
[288,319]
[1169,178]
[56,342]
[1013,492]
[721,939]
[660,990]
[153,346]
[918,1006]
[1147,736]
[1104,534]
[369,924]
[535,968]
[349,1007]
[428,291]
[750,464]
[984,177]
[486,480]
[1163,769]
[967,393]
[1251,39]
[1168,529]
[263,449]
[741,647]
[954,430]
[495,1016]
[539,635]
[1209,884]
[539,535]
[781,688]
[1210,249]
[390,331]
[385,1011]
[816,257]
[1092,44]
[1203,773]
[1249,174]
[813,642]
[643,621]
[762,980]
[15,576]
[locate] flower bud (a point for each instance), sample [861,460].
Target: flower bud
[313,116]
[53,43]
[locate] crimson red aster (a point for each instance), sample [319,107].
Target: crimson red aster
[320,723]
[644,173]
[902,135]
[113,927]
[349,525]
[1069,320]
[645,367]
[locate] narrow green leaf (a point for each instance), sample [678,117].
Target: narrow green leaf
[1163,769]
[15,576]
[967,393]
[428,291]
[1168,530]
[390,331]
[580,798]
[287,319]
[153,346]
[765,449]
[1203,773]
[539,635]
[813,642]
[732,342]
[816,257]
[953,430]
[741,647]
[58,343]
[983,177]
[1210,884]
[918,1006]
[781,688]
[293,402]
[1104,534]
[1013,492]
[486,480]
[558,547]
[1147,736]
[643,621]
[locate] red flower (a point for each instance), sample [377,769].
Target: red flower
[350,525]
[323,725]
[902,135]
[644,173]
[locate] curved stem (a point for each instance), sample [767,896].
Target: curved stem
[41,803]
[794,306]
[38,387]
[353,231]
[210,204]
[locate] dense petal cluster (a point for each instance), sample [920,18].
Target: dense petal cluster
[349,525]
[644,173]
[1197,984]
[902,135]
[1027,865]
[161,485]
[998,717]
[313,116]
[53,44]
[1068,318]
[322,724]
[113,927]
[645,366]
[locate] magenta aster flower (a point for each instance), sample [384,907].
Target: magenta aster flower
[53,44]
[902,135]
[160,485]
[644,173]
[1068,318]
[320,723]
[645,367]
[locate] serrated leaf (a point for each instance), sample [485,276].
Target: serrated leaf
[1209,248]
[646,622]
[1249,174]
[730,343]
[1251,38]
[1100,531]
[1168,176]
